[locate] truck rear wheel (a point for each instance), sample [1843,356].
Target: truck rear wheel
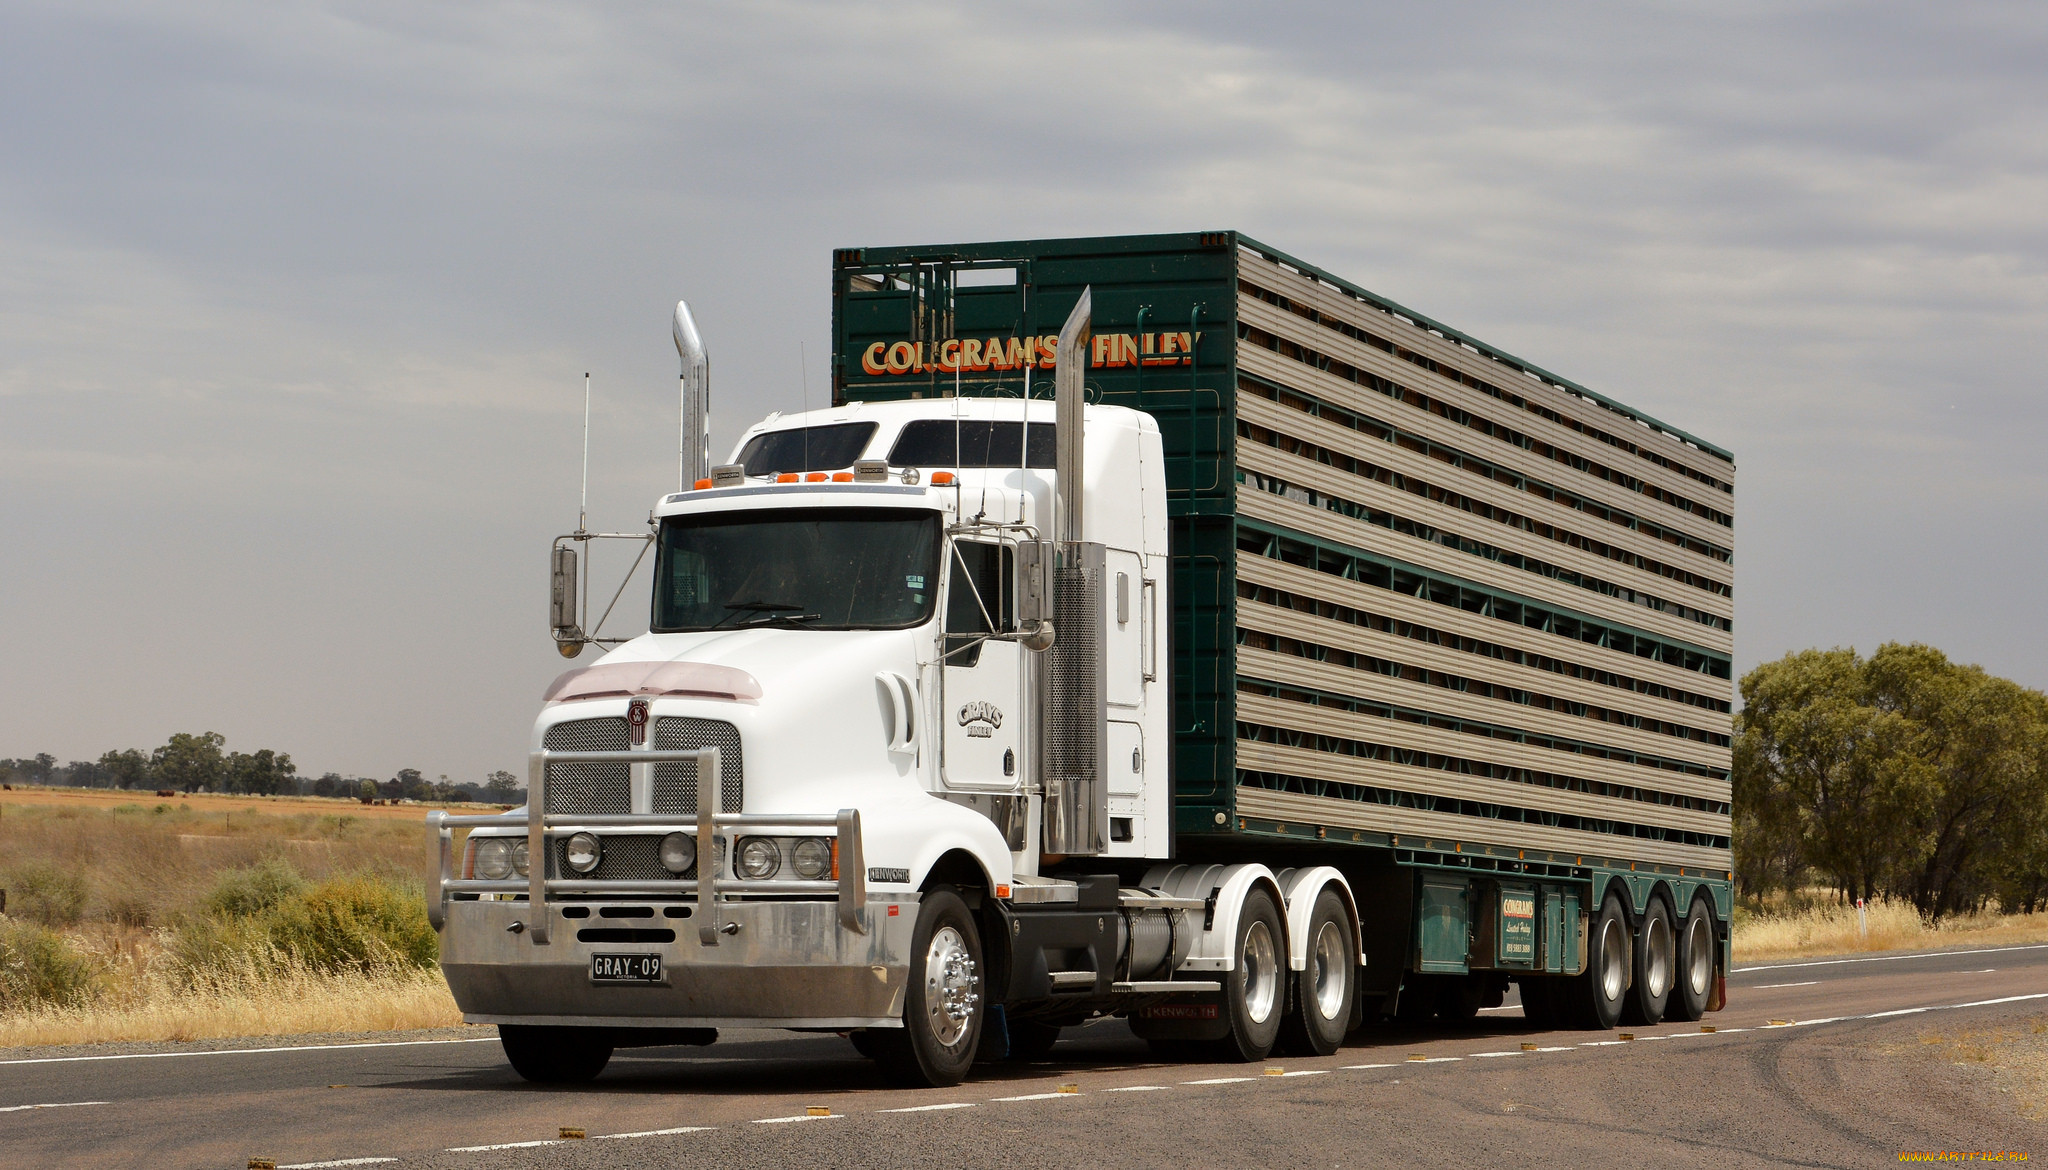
[942,1010]
[1324,989]
[1655,965]
[1696,958]
[1596,997]
[555,1056]
[1255,994]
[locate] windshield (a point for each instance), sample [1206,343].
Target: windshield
[818,569]
[825,448]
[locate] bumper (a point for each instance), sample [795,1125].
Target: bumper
[789,965]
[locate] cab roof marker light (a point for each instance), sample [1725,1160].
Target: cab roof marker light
[700,485]
[941,478]
[816,477]
[787,477]
[842,477]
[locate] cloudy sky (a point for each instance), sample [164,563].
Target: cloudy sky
[296,299]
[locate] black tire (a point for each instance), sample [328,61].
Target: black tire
[1255,993]
[936,1045]
[1655,967]
[1698,955]
[1319,1011]
[1032,1040]
[863,1042]
[1595,998]
[1459,998]
[555,1056]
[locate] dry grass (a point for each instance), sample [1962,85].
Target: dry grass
[2017,1057]
[105,798]
[1785,932]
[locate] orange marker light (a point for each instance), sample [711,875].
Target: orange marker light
[816,477]
[1002,891]
[702,484]
[842,477]
[786,477]
[942,478]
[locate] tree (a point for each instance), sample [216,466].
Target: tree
[86,774]
[190,762]
[331,784]
[266,773]
[37,771]
[129,769]
[502,787]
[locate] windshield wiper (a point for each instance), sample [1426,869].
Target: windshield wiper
[778,616]
[736,608]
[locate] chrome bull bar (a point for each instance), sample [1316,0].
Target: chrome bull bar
[850,887]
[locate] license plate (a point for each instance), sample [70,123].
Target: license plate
[625,968]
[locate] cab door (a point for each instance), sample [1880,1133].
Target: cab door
[982,677]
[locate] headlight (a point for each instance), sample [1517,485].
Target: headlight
[678,853]
[759,858]
[582,852]
[519,857]
[812,858]
[494,858]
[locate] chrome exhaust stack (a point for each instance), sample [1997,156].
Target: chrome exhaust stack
[1074,744]
[693,439]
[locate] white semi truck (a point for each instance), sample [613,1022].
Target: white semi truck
[922,745]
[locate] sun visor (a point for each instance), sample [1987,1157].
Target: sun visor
[613,680]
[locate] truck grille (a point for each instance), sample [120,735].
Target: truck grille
[587,788]
[625,859]
[675,785]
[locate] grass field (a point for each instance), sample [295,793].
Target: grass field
[134,918]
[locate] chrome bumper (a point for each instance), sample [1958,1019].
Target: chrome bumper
[779,965]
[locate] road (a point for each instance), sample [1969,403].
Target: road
[1845,1082]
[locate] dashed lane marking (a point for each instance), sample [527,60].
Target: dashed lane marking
[798,1117]
[645,1133]
[1351,1067]
[930,1108]
[1890,958]
[1044,1096]
[1306,1072]
[1769,986]
[502,1146]
[1478,1054]
[250,1051]
[1220,1081]
[336,1162]
[1137,1089]
[52,1105]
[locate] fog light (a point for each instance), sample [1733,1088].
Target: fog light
[678,853]
[494,858]
[582,852]
[759,858]
[811,859]
[519,865]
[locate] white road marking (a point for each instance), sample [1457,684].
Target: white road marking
[1890,958]
[1768,986]
[1137,1089]
[1493,1054]
[1220,1081]
[500,1146]
[1038,1096]
[798,1117]
[1306,1072]
[1882,1015]
[1564,1048]
[250,1051]
[1348,1067]
[644,1133]
[336,1162]
[929,1108]
[1601,1043]
[53,1105]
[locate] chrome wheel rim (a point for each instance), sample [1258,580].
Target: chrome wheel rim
[1328,970]
[1699,955]
[952,987]
[1259,972]
[1657,961]
[1613,959]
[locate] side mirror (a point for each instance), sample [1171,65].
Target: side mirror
[1034,594]
[562,603]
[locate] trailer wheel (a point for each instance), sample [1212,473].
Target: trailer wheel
[555,1056]
[1255,994]
[1655,966]
[1596,997]
[1324,989]
[942,1011]
[1697,955]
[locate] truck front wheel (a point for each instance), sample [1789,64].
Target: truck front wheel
[942,1010]
[555,1056]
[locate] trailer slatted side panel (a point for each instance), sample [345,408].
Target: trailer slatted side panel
[1460,618]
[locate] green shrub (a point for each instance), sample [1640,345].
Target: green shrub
[254,889]
[355,922]
[37,966]
[41,892]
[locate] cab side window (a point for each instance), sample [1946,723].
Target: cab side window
[979,600]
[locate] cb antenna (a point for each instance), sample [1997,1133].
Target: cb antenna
[693,440]
[583,503]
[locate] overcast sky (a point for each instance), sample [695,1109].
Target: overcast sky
[296,299]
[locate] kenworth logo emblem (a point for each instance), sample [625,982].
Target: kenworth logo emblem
[636,722]
[981,719]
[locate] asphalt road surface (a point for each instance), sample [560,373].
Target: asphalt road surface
[1842,1081]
